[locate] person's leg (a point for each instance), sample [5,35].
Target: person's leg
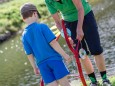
[54,83]
[85,62]
[100,62]
[87,65]
[64,81]
[92,38]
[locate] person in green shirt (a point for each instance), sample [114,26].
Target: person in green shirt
[80,20]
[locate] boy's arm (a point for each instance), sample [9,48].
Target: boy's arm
[32,62]
[58,48]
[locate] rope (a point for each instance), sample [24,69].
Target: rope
[75,52]
[41,82]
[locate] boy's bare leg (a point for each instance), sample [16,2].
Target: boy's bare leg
[100,62]
[64,81]
[87,65]
[54,83]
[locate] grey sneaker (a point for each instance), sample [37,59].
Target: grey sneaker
[94,84]
[106,83]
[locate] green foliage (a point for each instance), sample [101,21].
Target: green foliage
[10,18]
[113,80]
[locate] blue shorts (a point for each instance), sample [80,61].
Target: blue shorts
[91,34]
[52,70]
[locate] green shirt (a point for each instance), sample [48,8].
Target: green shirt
[67,9]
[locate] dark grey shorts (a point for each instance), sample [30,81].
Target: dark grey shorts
[91,34]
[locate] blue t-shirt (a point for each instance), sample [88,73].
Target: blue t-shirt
[36,38]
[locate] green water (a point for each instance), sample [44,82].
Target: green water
[13,62]
[15,69]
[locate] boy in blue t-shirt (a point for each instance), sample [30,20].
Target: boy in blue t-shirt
[42,48]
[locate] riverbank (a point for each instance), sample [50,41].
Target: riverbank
[10,18]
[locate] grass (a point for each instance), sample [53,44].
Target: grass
[10,19]
[112,79]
